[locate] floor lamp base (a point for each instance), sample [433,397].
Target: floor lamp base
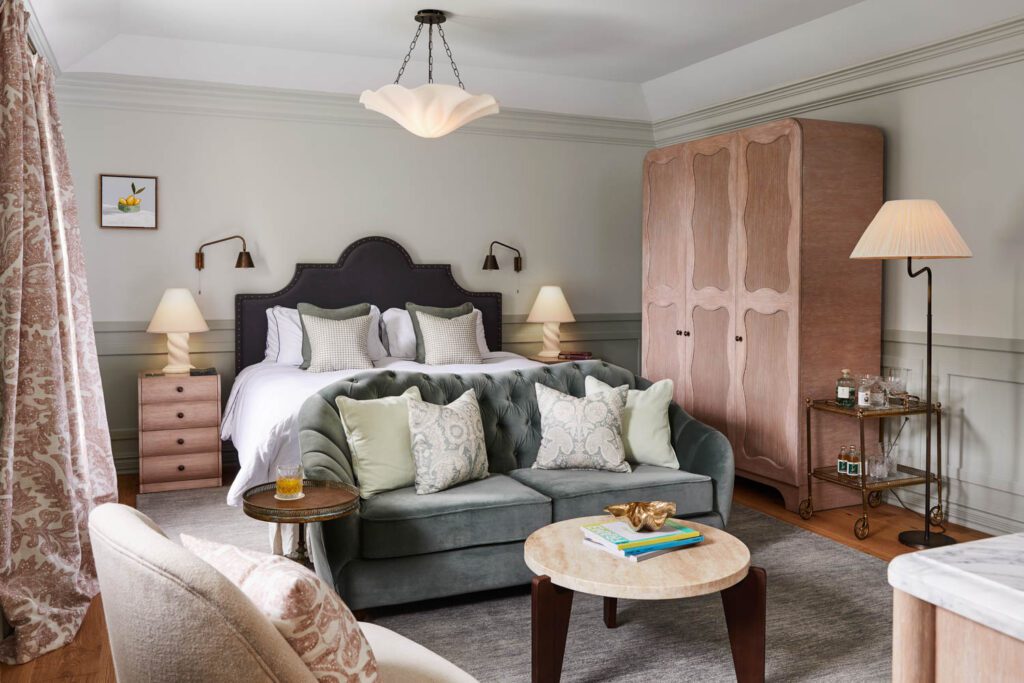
[920,540]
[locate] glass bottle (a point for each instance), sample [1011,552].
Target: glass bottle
[864,391]
[841,461]
[846,390]
[853,463]
[877,397]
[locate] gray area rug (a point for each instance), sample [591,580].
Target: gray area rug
[829,611]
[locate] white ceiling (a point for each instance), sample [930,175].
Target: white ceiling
[618,58]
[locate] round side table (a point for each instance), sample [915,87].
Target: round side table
[323,501]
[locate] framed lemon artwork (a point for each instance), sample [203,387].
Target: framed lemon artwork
[128,201]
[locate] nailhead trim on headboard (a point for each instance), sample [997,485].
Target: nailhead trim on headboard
[492,312]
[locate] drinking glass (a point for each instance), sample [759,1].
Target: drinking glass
[289,482]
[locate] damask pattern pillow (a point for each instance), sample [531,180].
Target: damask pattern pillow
[448,341]
[337,344]
[304,609]
[447,443]
[581,433]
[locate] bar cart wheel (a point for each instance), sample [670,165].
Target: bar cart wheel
[936,515]
[875,498]
[860,528]
[806,509]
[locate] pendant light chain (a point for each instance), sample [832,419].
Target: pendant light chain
[448,50]
[430,53]
[408,55]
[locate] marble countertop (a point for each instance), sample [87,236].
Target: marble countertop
[981,580]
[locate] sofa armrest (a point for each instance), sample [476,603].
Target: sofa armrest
[703,450]
[325,457]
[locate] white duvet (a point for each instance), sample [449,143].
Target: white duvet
[260,417]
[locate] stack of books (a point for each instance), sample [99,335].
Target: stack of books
[619,539]
[575,355]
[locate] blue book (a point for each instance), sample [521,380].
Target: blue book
[663,546]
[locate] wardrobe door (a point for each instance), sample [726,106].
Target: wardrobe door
[766,340]
[710,232]
[664,254]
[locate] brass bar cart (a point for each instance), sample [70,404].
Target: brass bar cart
[871,488]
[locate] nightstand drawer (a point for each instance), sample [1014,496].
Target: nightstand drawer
[179,388]
[176,441]
[180,415]
[179,467]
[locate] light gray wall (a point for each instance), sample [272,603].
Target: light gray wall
[301,176]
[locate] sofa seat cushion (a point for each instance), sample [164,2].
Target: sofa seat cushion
[497,509]
[579,493]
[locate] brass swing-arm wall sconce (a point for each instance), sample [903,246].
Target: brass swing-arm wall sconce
[244,259]
[491,262]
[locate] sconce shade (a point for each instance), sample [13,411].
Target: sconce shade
[244,260]
[550,307]
[177,312]
[911,228]
[490,262]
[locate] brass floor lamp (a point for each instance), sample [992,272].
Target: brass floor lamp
[916,229]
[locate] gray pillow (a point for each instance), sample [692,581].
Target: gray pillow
[331,314]
[447,443]
[449,313]
[581,433]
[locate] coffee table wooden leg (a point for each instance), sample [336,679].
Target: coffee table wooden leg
[551,608]
[744,606]
[611,610]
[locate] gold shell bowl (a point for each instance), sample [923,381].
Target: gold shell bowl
[643,516]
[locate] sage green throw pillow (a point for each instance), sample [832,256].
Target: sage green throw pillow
[331,314]
[645,425]
[448,313]
[378,436]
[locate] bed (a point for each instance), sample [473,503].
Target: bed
[259,418]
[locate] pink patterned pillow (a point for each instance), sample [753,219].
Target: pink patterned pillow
[305,610]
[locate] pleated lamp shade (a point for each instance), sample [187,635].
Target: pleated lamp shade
[915,228]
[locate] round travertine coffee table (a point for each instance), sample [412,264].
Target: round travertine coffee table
[721,563]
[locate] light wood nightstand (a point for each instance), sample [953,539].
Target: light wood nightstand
[179,432]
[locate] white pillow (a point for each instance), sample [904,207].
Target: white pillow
[401,337]
[289,336]
[273,337]
[646,433]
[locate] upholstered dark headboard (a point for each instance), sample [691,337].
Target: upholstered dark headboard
[375,270]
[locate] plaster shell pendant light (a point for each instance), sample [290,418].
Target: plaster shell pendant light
[432,110]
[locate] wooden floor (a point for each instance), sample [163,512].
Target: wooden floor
[87,658]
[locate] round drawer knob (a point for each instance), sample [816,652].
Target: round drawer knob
[686,333]
[181,442]
[181,468]
[181,415]
[180,389]
[739,338]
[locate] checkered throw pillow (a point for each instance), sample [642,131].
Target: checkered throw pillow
[338,344]
[449,341]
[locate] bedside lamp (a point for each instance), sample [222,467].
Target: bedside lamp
[916,228]
[552,309]
[177,316]
[491,261]
[244,259]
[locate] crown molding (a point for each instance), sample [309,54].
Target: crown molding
[987,48]
[140,93]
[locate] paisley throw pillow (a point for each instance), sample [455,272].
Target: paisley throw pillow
[304,609]
[581,433]
[447,443]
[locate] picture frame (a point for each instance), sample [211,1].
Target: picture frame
[128,201]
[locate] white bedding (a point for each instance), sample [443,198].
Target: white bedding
[260,417]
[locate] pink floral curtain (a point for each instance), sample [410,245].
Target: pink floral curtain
[55,461]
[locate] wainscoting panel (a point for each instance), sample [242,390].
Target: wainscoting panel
[980,383]
[125,349]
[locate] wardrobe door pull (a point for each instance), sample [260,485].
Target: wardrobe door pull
[181,442]
[180,389]
[686,333]
[679,333]
[181,468]
[739,338]
[181,415]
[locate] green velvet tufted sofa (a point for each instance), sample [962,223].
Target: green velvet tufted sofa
[402,547]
